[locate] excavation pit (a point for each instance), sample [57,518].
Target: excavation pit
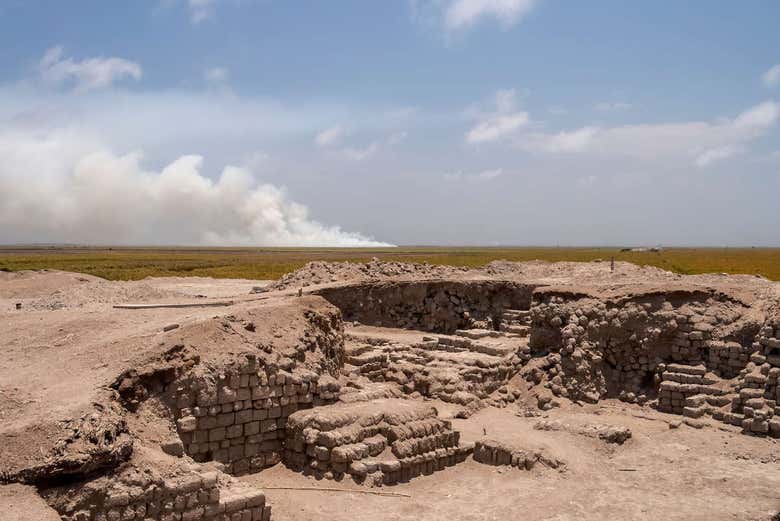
[391,384]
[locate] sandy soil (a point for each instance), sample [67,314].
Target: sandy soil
[68,341]
[660,473]
[22,503]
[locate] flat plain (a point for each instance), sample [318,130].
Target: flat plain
[127,263]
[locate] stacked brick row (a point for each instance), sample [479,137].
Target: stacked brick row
[516,322]
[680,382]
[755,407]
[728,358]
[447,369]
[441,306]
[239,418]
[374,443]
[492,452]
[188,497]
[612,347]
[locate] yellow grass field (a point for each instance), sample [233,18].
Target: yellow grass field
[271,263]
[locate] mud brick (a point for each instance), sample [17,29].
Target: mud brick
[251,428]
[187,424]
[236,452]
[225,419]
[252,449]
[261,393]
[268,425]
[227,395]
[201,436]
[245,416]
[235,431]
[217,434]
[207,422]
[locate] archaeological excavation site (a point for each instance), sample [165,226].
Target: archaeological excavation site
[391,391]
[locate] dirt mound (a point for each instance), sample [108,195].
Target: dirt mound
[141,413]
[47,290]
[39,283]
[330,272]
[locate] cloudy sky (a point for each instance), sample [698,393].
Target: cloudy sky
[454,122]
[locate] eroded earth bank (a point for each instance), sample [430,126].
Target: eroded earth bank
[391,391]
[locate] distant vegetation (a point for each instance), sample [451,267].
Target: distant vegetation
[271,263]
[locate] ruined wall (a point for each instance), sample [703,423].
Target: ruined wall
[493,452]
[144,495]
[613,345]
[238,415]
[377,442]
[756,405]
[447,368]
[441,306]
[230,401]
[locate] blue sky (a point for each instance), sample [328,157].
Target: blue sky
[264,122]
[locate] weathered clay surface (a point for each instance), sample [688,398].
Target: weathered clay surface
[383,374]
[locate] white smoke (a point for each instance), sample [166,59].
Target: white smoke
[64,187]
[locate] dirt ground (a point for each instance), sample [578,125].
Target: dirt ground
[660,473]
[68,340]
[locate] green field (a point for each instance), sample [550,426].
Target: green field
[271,263]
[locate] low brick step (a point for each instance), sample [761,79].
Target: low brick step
[685,378]
[698,370]
[518,330]
[476,334]
[516,313]
[755,378]
[691,389]
[718,401]
[367,358]
[733,418]
[695,412]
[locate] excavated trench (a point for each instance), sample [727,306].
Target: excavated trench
[437,306]
[332,403]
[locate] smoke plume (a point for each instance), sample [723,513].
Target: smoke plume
[65,188]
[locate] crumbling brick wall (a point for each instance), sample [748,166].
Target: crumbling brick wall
[612,346]
[139,494]
[441,306]
[238,415]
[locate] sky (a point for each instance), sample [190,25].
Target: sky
[403,122]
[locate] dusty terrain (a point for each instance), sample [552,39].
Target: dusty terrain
[326,379]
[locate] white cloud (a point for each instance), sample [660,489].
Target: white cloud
[612,105]
[67,187]
[397,138]
[502,122]
[460,14]
[496,127]
[334,136]
[759,117]
[772,76]
[359,154]
[87,74]
[201,10]
[571,141]
[487,175]
[483,176]
[714,155]
[684,142]
[330,137]
[216,75]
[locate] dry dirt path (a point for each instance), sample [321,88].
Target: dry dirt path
[680,474]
